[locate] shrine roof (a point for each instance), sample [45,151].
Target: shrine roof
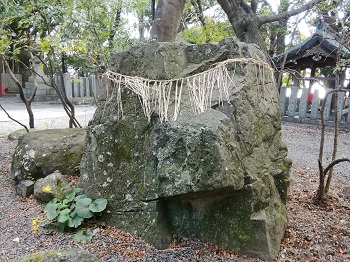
[320,48]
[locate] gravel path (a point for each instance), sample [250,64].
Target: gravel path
[313,233]
[303,143]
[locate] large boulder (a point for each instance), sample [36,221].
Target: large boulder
[220,176]
[40,153]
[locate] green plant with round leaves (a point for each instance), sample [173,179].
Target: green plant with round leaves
[69,212]
[83,236]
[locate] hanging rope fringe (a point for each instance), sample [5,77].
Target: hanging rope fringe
[157,95]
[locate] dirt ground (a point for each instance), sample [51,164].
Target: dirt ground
[315,232]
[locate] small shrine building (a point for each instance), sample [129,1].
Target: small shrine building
[310,63]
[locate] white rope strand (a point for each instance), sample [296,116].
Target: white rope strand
[157,94]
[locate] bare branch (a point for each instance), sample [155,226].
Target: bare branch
[335,162]
[254,6]
[198,10]
[272,18]
[8,115]
[13,77]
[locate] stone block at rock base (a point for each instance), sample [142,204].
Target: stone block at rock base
[147,221]
[25,188]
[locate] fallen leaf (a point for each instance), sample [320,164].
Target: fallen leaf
[16,239]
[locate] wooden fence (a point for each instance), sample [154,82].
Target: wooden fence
[305,110]
[9,84]
[79,89]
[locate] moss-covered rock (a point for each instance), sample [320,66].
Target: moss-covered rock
[221,176]
[54,185]
[40,153]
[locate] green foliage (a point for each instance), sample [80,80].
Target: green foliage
[83,236]
[211,32]
[194,35]
[85,32]
[70,212]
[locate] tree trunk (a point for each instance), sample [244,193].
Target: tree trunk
[1,75]
[197,5]
[67,105]
[167,20]
[282,28]
[27,103]
[321,189]
[335,139]
[61,92]
[244,22]
[114,28]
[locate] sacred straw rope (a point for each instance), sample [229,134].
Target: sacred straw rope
[156,94]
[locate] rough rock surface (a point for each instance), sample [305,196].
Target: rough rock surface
[54,185]
[221,176]
[25,188]
[71,255]
[40,153]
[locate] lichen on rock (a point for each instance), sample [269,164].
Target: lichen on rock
[40,153]
[52,186]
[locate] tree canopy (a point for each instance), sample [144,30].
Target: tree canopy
[85,33]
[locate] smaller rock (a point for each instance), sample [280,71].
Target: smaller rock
[71,255]
[54,185]
[16,239]
[345,192]
[25,188]
[17,134]
[40,153]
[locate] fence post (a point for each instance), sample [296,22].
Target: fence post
[81,86]
[68,85]
[87,87]
[346,107]
[58,83]
[292,101]
[283,100]
[76,89]
[303,103]
[314,105]
[94,86]
[327,108]
[340,105]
